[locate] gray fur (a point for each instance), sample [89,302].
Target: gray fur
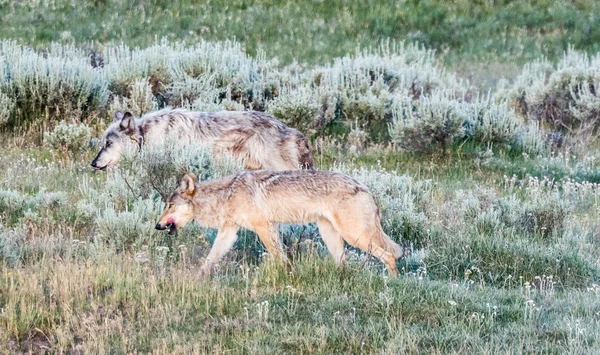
[257,138]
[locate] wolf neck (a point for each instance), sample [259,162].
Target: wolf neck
[183,124]
[211,203]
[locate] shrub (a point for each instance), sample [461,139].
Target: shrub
[57,83]
[158,168]
[545,207]
[7,106]
[585,110]
[235,74]
[12,205]
[428,124]
[16,207]
[530,139]
[493,122]
[200,92]
[537,208]
[123,66]
[69,139]
[360,89]
[544,219]
[441,120]
[370,110]
[393,66]
[178,75]
[141,99]
[123,229]
[564,96]
[298,108]
[12,244]
[394,92]
[131,199]
[18,248]
[477,207]
[48,200]
[403,202]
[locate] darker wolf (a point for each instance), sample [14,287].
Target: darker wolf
[343,208]
[257,138]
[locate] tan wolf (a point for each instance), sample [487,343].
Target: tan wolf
[257,138]
[257,200]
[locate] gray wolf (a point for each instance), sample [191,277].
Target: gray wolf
[257,138]
[343,209]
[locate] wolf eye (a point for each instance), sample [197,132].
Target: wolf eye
[108,143]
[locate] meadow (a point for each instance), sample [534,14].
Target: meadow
[492,185]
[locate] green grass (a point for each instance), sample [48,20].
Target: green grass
[123,306]
[316,31]
[495,265]
[468,288]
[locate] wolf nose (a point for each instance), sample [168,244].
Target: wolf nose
[93,164]
[158,226]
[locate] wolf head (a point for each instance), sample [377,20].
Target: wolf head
[119,135]
[180,206]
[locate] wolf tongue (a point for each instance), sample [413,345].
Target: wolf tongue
[170,220]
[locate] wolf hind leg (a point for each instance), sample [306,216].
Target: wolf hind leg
[225,239]
[356,233]
[333,240]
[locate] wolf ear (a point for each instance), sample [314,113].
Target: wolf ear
[188,184]
[127,121]
[118,116]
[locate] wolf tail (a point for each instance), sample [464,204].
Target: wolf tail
[304,155]
[386,242]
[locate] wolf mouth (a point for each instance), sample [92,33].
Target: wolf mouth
[96,168]
[171,228]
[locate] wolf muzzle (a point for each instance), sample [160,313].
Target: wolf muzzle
[171,228]
[94,163]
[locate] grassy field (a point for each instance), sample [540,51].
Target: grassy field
[83,271]
[317,31]
[496,194]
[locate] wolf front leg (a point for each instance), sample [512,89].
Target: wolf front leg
[225,239]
